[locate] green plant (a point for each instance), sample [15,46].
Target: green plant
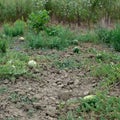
[116,38]
[104,35]
[16,97]
[89,36]
[62,38]
[12,10]
[67,63]
[13,64]
[3,46]
[110,74]
[14,30]
[37,20]
[3,90]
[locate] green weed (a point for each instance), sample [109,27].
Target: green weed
[116,38]
[87,37]
[15,97]
[14,30]
[104,35]
[3,46]
[60,40]
[69,63]
[110,74]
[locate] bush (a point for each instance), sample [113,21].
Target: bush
[15,30]
[37,20]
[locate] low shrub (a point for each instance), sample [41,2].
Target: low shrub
[37,20]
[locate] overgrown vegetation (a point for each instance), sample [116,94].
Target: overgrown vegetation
[67,53]
[76,11]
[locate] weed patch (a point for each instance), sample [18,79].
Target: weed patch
[15,30]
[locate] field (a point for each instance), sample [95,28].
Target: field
[50,71]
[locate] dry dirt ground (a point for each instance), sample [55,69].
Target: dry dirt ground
[59,76]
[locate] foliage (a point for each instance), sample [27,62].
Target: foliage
[38,20]
[14,30]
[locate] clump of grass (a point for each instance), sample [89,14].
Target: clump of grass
[107,57]
[61,38]
[104,35]
[14,30]
[67,63]
[89,36]
[111,37]
[3,46]
[16,97]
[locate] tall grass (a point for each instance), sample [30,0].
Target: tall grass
[10,10]
[53,37]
